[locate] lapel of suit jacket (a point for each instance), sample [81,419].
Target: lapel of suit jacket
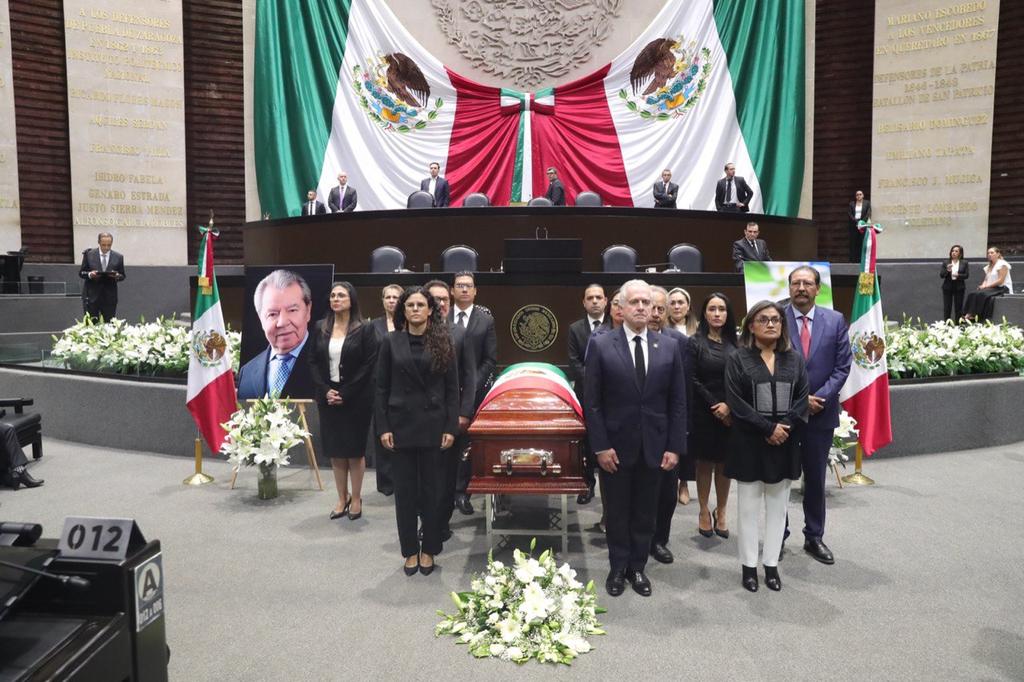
[655,353]
[625,354]
[818,325]
[794,331]
[263,376]
[403,357]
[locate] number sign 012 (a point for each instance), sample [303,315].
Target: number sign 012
[87,537]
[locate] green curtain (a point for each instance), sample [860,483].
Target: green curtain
[299,50]
[764,42]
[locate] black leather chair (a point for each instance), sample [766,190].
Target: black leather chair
[539,201]
[619,258]
[476,200]
[459,258]
[420,199]
[28,425]
[588,198]
[686,258]
[387,259]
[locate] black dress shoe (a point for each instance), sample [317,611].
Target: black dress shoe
[464,505]
[616,582]
[750,578]
[641,585]
[662,554]
[819,550]
[724,534]
[343,512]
[585,498]
[412,570]
[357,515]
[771,578]
[21,477]
[427,570]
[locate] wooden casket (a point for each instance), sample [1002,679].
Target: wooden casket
[526,437]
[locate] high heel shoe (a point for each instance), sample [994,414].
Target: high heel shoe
[427,570]
[706,533]
[411,570]
[714,524]
[343,512]
[750,578]
[771,578]
[358,514]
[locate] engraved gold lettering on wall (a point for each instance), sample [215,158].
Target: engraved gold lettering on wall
[127,128]
[934,87]
[10,208]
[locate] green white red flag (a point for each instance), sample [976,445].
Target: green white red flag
[866,392]
[538,375]
[211,381]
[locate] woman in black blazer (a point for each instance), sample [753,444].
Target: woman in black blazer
[860,209]
[417,416]
[954,272]
[342,357]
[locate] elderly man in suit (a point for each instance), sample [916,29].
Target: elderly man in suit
[822,337]
[665,192]
[635,406]
[478,326]
[732,193]
[343,198]
[437,186]
[102,268]
[750,248]
[283,302]
[556,192]
[594,303]
[312,206]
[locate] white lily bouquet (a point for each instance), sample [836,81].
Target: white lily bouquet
[533,609]
[843,437]
[261,435]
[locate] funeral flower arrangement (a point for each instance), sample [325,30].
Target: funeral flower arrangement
[843,437]
[148,348]
[946,349]
[262,434]
[531,609]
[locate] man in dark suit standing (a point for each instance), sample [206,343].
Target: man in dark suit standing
[437,186]
[441,294]
[636,422]
[594,303]
[822,337]
[283,302]
[478,326]
[750,247]
[732,194]
[102,268]
[556,192]
[342,198]
[312,206]
[665,192]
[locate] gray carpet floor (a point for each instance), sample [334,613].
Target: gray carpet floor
[928,583]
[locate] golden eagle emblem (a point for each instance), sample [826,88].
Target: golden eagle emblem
[394,93]
[868,349]
[209,346]
[667,79]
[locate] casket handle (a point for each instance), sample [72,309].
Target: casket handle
[527,458]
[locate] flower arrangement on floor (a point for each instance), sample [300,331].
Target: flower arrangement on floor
[843,436]
[153,348]
[945,349]
[261,435]
[532,609]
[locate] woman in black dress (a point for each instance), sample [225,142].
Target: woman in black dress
[954,272]
[766,390]
[713,342]
[417,416]
[343,353]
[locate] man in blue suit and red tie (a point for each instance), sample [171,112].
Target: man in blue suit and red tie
[822,337]
[635,402]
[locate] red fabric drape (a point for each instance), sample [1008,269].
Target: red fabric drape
[482,150]
[577,136]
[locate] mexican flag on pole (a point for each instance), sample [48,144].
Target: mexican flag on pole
[866,392]
[211,381]
[341,85]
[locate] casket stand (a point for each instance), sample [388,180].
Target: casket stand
[527,441]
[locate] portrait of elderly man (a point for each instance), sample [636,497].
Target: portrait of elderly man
[283,302]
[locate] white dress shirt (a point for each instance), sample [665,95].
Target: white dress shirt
[630,335]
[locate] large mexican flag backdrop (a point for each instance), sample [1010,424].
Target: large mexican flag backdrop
[342,85]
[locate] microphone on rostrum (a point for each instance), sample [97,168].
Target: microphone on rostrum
[72,581]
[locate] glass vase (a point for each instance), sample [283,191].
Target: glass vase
[267,481]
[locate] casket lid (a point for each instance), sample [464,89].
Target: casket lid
[530,396]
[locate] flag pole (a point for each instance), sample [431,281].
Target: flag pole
[198,478]
[857,477]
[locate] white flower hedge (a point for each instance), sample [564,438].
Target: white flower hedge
[946,349]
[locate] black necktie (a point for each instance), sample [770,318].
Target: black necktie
[311,208]
[638,359]
[597,323]
[728,191]
[753,246]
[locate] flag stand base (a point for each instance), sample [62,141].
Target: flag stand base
[198,478]
[858,478]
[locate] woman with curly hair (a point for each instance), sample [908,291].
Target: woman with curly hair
[417,416]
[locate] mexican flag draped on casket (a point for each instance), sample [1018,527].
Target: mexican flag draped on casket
[341,85]
[538,375]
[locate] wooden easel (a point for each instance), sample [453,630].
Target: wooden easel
[310,453]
